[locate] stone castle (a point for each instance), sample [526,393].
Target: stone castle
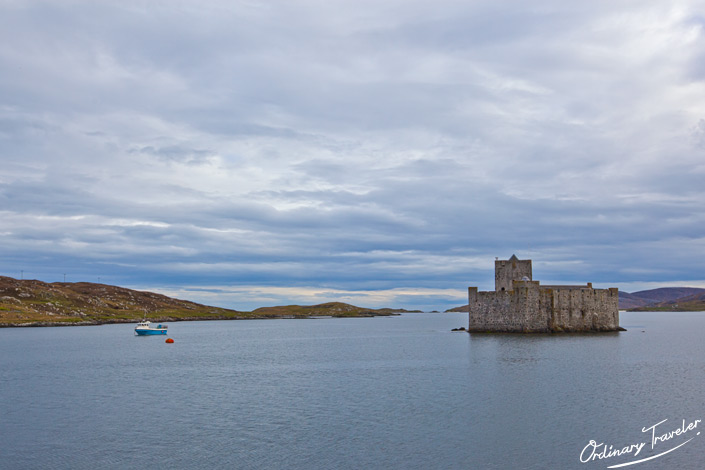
[521,305]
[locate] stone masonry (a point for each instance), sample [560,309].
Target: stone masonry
[521,305]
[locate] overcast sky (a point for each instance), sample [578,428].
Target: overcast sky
[381,153]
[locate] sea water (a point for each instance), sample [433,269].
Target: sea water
[401,392]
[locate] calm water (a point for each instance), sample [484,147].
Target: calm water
[365,393]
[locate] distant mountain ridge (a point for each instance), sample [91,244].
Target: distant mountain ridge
[37,303]
[662,298]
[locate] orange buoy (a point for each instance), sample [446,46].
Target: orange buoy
[169,340]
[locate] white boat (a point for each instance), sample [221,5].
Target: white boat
[145,327]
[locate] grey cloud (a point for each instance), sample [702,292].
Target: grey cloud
[371,147]
[175,153]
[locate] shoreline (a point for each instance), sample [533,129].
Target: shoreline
[46,324]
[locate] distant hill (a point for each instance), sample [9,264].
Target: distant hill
[627,301]
[464,308]
[663,298]
[36,303]
[659,299]
[330,309]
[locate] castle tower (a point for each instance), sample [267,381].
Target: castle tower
[506,271]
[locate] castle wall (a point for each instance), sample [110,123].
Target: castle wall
[491,311]
[515,310]
[583,309]
[531,308]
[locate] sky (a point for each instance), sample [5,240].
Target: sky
[379,153]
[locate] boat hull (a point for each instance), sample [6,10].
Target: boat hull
[149,332]
[146,328]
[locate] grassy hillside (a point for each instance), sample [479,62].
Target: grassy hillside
[648,298]
[689,303]
[36,303]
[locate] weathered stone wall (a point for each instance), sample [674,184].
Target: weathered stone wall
[531,308]
[507,271]
[491,311]
[524,306]
[581,309]
[515,310]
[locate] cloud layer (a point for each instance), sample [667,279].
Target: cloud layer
[250,153]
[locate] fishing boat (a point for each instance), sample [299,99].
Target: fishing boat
[145,327]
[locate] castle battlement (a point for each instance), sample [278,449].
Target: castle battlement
[521,305]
